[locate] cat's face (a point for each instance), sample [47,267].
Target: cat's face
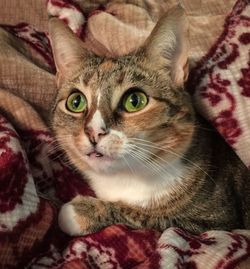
[117,114]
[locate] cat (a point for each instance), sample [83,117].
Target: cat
[129,126]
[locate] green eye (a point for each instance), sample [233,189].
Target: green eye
[76,102]
[135,101]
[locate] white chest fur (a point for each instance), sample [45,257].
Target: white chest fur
[136,189]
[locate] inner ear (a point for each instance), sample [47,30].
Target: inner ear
[180,67]
[68,50]
[167,46]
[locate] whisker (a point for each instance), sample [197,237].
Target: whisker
[151,153]
[161,174]
[168,150]
[142,161]
[154,166]
[130,168]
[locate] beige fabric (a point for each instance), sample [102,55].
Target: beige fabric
[21,75]
[206,20]
[30,11]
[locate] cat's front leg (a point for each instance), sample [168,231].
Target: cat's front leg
[84,215]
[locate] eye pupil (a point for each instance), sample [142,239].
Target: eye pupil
[77,101]
[135,100]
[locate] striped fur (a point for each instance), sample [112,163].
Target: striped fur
[160,166]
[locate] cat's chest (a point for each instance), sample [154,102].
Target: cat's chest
[135,190]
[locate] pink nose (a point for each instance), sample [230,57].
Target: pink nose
[95,134]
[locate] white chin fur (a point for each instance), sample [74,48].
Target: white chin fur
[67,222]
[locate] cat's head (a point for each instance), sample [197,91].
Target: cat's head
[111,114]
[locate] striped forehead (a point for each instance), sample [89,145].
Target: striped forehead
[106,86]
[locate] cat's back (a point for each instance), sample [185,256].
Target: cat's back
[231,176]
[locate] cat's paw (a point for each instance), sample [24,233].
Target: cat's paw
[80,216]
[68,220]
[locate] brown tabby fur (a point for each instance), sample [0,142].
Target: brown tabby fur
[215,191]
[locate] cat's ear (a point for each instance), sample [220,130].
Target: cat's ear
[68,50]
[167,46]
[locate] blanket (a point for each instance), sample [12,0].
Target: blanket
[34,178]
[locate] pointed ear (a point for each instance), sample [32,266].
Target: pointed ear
[167,46]
[68,50]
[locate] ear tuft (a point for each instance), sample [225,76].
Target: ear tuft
[167,46]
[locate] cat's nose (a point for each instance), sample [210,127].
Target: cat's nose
[96,128]
[95,135]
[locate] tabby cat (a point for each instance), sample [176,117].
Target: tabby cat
[129,127]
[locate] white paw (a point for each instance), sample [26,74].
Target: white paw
[67,220]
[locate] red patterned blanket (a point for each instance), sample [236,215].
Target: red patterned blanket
[35,180]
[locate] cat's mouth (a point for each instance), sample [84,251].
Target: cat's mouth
[95,154]
[98,161]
